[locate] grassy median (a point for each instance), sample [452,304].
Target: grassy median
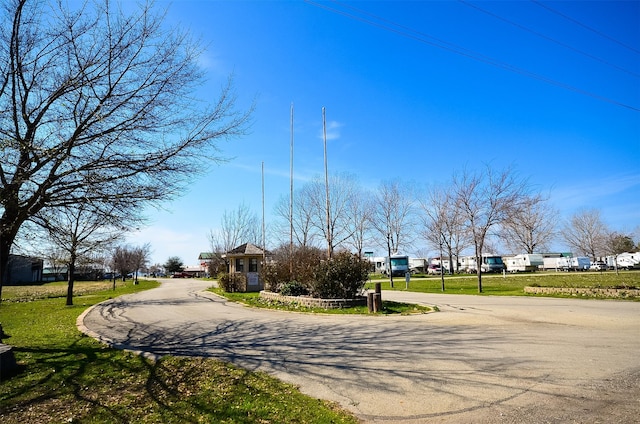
[510,284]
[67,377]
[388,307]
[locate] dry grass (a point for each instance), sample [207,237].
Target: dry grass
[57,289]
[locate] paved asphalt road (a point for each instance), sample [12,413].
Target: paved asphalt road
[479,360]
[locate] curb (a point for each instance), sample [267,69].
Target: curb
[108,342]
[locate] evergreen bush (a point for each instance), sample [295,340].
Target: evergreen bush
[293,288]
[232,283]
[342,277]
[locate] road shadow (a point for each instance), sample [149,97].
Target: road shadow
[346,358]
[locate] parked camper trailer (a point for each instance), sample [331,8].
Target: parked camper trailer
[446,264]
[418,265]
[397,265]
[625,260]
[551,263]
[579,263]
[377,264]
[555,261]
[524,262]
[490,263]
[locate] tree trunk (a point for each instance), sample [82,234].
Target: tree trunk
[8,232]
[71,271]
[479,271]
[442,269]
[5,248]
[390,267]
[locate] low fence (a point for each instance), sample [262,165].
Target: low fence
[585,292]
[313,302]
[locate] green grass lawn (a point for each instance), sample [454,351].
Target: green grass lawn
[511,284]
[68,377]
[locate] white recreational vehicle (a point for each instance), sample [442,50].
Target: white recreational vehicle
[555,261]
[490,263]
[397,265]
[377,264]
[579,263]
[524,262]
[446,264]
[627,260]
[418,265]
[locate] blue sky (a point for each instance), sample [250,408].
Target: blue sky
[417,91]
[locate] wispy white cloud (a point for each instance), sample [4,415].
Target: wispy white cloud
[579,192]
[333,130]
[597,193]
[210,62]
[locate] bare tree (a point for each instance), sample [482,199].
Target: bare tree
[342,189]
[532,227]
[56,258]
[97,106]
[295,226]
[304,233]
[586,233]
[359,214]
[122,261]
[393,217]
[485,199]
[442,226]
[236,227]
[140,257]
[80,232]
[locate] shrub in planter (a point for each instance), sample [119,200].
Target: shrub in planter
[342,277]
[232,282]
[270,274]
[293,288]
[299,267]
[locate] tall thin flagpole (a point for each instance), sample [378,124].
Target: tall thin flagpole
[291,197]
[326,183]
[264,246]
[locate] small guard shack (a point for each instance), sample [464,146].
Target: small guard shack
[247,259]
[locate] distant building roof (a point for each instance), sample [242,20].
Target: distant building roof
[247,249]
[205,256]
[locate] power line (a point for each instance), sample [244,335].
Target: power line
[387,25]
[575,21]
[553,40]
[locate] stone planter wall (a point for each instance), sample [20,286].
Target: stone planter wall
[584,292]
[312,302]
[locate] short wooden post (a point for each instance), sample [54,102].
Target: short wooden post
[370,305]
[377,298]
[377,302]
